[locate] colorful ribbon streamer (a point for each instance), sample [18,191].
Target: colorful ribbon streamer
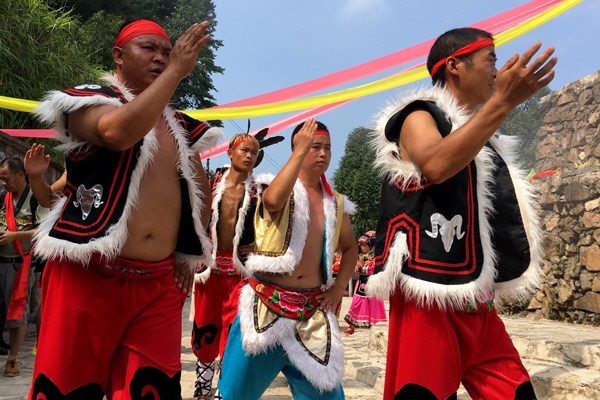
[544,9]
[499,39]
[37,133]
[373,87]
[527,17]
[494,24]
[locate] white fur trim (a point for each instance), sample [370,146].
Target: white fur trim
[384,284]
[209,139]
[391,167]
[387,160]
[111,244]
[53,106]
[323,377]
[202,277]
[330,213]
[349,206]
[241,218]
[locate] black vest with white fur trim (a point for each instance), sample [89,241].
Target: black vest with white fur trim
[103,184]
[458,240]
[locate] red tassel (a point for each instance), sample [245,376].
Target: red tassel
[326,185]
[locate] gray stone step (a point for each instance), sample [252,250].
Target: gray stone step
[556,342]
[560,382]
[562,359]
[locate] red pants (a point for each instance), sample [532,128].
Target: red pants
[216,304]
[108,332]
[436,350]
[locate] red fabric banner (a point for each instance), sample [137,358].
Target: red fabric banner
[16,306]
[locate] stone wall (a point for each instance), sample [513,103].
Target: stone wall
[569,141]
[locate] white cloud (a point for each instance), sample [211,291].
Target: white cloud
[362,8]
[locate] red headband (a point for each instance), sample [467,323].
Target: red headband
[322,132]
[138,28]
[236,144]
[470,48]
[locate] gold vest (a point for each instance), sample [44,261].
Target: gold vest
[273,235]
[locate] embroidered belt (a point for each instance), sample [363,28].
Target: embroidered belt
[312,329]
[127,268]
[224,264]
[298,304]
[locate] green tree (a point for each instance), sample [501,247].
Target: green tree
[524,122]
[38,53]
[357,179]
[130,9]
[194,92]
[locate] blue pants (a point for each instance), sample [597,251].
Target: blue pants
[245,377]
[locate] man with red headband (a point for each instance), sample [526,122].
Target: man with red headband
[457,227]
[286,320]
[231,229]
[129,229]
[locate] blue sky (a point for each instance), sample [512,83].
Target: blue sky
[272,44]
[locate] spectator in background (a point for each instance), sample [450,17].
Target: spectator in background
[365,311]
[18,219]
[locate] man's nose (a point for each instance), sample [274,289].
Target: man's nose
[161,58]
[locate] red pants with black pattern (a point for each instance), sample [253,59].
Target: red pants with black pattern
[216,304]
[109,329]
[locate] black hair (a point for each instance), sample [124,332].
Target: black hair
[14,165]
[320,127]
[447,44]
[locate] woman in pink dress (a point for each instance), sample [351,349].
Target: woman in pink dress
[364,311]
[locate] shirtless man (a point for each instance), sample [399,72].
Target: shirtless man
[217,289]
[130,219]
[285,320]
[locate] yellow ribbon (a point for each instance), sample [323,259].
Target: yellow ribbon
[18,104]
[338,96]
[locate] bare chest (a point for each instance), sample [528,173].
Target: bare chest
[161,177]
[230,202]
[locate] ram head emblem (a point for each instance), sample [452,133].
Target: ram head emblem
[88,198]
[447,229]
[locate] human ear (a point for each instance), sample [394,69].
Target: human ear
[117,54]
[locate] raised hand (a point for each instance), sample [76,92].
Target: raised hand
[36,161]
[303,140]
[184,55]
[517,81]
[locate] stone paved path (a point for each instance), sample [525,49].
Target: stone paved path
[17,388]
[563,359]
